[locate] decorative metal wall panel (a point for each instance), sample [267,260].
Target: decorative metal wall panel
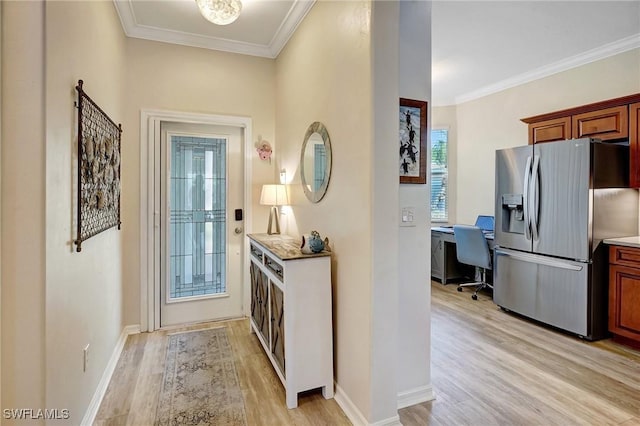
[98,189]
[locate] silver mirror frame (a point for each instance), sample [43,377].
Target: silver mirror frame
[316,196]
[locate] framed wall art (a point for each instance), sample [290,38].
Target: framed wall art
[413,141]
[98,191]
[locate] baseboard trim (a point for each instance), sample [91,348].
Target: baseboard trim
[349,408]
[355,416]
[391,421]
[94,405]
[415,396]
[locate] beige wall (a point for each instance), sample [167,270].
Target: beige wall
[0,207]
[385,58]
[493,122]
[414,291]
[168,77]
[90,295]
[445,118]
[323,74]
[83,290]
[23,205]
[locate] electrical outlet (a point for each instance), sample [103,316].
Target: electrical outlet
[85,358]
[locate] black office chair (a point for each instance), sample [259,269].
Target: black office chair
[472,249]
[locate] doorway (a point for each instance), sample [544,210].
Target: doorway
[195,204]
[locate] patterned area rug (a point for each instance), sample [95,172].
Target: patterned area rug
[200,384]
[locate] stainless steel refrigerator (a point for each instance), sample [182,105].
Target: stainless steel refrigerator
[555,203]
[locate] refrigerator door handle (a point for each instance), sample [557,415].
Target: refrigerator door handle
[534,205]
[525,199]
[541,260]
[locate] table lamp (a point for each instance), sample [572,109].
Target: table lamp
[274,196]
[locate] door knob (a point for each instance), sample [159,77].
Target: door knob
[238,230]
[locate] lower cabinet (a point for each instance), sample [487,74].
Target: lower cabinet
[624,294]
[437,256]
[291,313]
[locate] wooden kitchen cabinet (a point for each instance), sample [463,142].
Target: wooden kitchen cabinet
[613,120]
[604,124]
[624,294]
[634,143]
[608,120]
[557,129]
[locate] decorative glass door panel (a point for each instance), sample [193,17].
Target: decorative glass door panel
[197,217]
[201,183]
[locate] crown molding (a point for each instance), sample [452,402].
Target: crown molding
[610,49]
[133,29]
[289,25]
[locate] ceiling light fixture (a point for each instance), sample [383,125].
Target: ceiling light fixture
[220,12]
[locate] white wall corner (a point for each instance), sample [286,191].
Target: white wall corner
[101,390]
[415,396]
[350,410]
[355,415]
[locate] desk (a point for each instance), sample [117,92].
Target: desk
[444,264]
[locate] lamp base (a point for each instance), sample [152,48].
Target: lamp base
[273,217]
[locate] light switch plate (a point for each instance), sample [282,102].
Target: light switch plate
[407,216]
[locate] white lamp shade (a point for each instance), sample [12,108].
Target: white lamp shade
[274,195]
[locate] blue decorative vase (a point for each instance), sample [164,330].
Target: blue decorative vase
[315,242]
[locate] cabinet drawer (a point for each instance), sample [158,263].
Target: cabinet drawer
[550,130]
[625,256]
[274,267]
[605,124]
[256,252]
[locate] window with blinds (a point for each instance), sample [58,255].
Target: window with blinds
[439,145]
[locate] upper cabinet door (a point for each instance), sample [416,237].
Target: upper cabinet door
[634,144]
[605,124]
[550,130]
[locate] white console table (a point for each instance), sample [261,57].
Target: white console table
[291,312]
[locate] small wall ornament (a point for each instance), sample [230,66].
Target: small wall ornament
[264,149]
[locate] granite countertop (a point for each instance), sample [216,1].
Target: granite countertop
[284,246]
[633,241]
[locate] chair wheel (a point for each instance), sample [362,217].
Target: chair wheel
[474,296]
[459,288]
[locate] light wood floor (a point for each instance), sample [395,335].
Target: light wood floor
[493,368]
[132,395]
[488,368]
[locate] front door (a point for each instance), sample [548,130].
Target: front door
[201,186]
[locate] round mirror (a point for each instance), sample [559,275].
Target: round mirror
[315,162]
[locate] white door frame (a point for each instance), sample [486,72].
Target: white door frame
[149,204]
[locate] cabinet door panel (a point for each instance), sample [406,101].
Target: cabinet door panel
[259,312]
[437,256]
[264,305]
[624,301]
[634,143]
[277,326]
[254,272]
[605,124]
[550,130]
